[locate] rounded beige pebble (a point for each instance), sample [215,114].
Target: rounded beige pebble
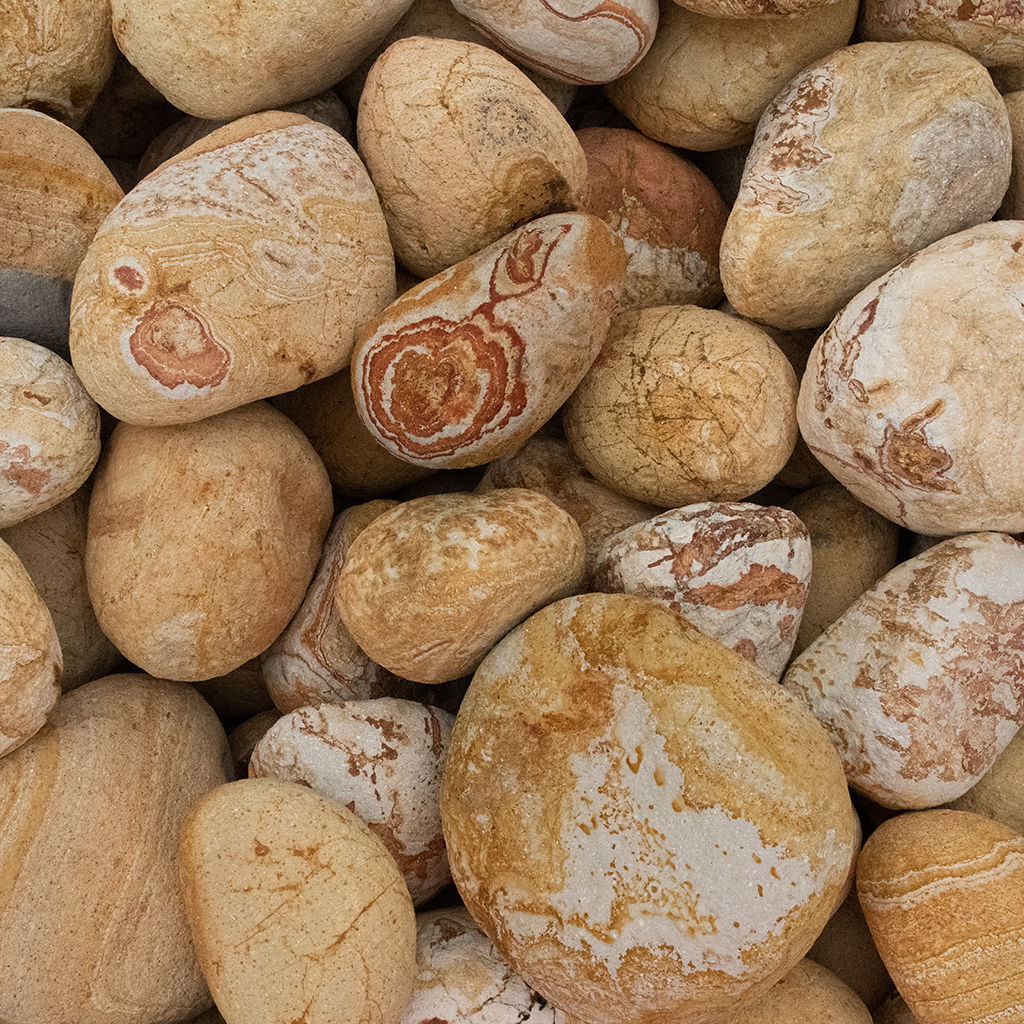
[684,405]
[462,148]
[547,466]
[49,431]
[990,31]
[852,548]
[358,464]
[466,366]
[738,572]
[912,409]
[653,882]
[667,213]
[382,759]
[586,43]
[1013,201]
[30,656]
[203,538]
[943,893]
[51,547]
[809,994]
[846,948]
[705,81]
[222,59]
[92,926]
[239,269]
[428,588]
[461,978]
[920,683]
[55,58]
[297,909]
[799,244]
[315,659]
[999,793]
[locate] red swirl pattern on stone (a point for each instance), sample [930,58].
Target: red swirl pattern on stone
[176,346]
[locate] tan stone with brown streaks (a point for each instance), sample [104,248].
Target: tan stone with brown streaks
[809,994]
[49,431]
[203,538]
[298,911]
[239,269]
[657,880]
[51,546]
[428,588]
[462,148]
[92,926]
[912,408]
[684,405]
[943,892]
[920,683]
[461,977]
[585,43]
[992,31]
[738,572]
[796,246]
[55,57]
[667,213]
[359,466]
[705,81]
[466,366]
[223,59]
[547,466]
[315,659]
[852,548]
[382,759]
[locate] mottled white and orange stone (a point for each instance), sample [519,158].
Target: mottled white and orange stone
[915,411]
[466,366]
[585,41]
[656,881]
[738,572]
[239,269]
[920,683]
[382,759]
[462,979]
[992,31]
[796,248]
[943,893]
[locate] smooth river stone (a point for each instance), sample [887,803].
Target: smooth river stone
[467,365]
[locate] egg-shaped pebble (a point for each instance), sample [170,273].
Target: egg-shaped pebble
[202,539]
[382,759]
[547,466]
[92,926]
[462,979]
[297,910]
[586,43]
[684,405]
[991,32]
[239,269]
[315,659]
[943,893]
[738,572]
[49,431]
[823,208]
[808,994]
[55,59]
[466,366]
[666,211]
[912,409]
[920,683]
[686,92]
[51,547]
[219,59]
[690,827]
[429,587]
[462,147]
[56,193]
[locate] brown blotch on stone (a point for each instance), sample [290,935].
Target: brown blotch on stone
[175,346]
